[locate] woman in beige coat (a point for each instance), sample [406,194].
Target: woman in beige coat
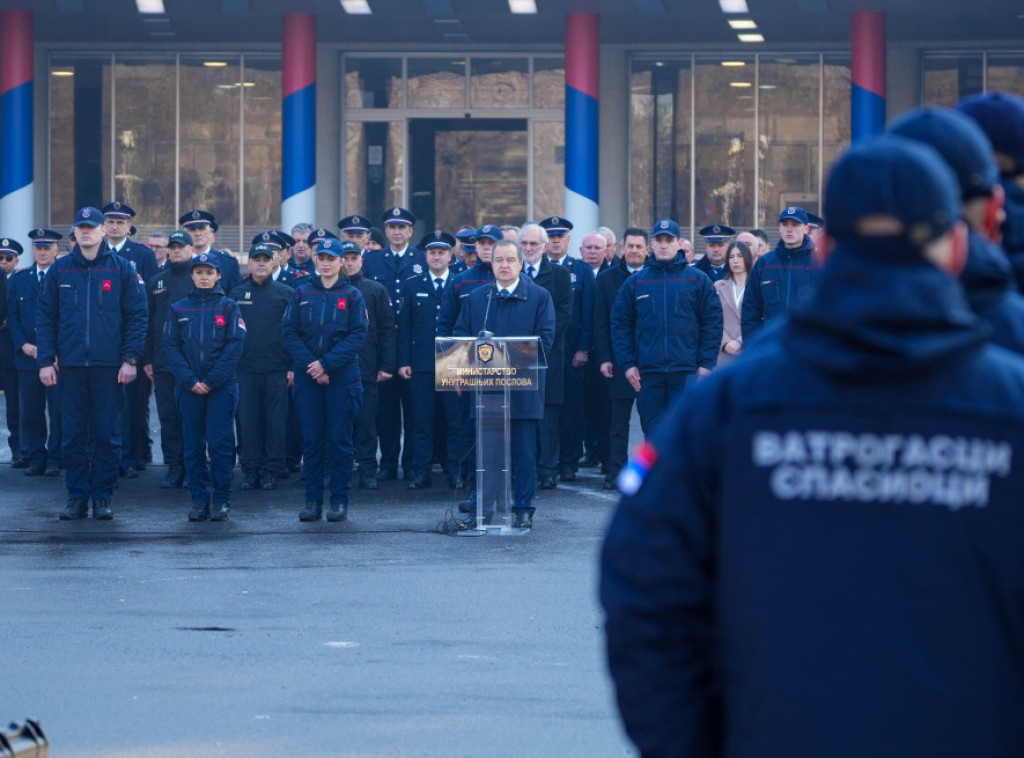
[739,260]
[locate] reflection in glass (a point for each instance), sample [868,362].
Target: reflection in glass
[481,179]
[373,167]
[1005,73]
[210,142]
[437,82]
[951,76]
[726,147]
[62,144]
[549,83]
[548,169]
[144,123]
[499,82]
[262,145]
[789,98]
[373,82]
[835,127]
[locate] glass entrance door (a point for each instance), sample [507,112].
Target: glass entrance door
[467,172]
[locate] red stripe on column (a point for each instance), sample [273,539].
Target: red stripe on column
[582,53]
[16,42]
[867,51]
[298,54]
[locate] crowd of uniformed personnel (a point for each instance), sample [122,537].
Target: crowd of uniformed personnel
[321,359]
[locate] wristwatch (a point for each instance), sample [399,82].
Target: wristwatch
[131,361]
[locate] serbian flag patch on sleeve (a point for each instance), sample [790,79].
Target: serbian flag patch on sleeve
[634,473]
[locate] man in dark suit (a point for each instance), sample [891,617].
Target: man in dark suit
[514,306]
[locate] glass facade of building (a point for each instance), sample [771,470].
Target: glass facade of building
[949,76]
[733,139]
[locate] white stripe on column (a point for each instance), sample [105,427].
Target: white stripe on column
[300,208]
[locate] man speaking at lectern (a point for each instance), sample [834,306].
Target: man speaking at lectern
[514,307]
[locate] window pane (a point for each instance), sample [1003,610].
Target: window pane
[500,82]
[210,118]
[62,144]
[144,121]
[660,155]
[949,77]
[788,110]
[373,82]
[549,83]
[262,144]
[1006,73]
[548,168]
[836,129]
[374,167]
[725,146]
[437,83]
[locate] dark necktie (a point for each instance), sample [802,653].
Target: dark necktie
[531,271]
[504,292]
[438,283]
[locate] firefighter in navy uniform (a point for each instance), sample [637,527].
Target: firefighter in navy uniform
[417,327]
[378,363]
[203,340]
[91,329]
[577,344]
[391,266]
[42,442]
[324,328]
[264,372]
[820,550]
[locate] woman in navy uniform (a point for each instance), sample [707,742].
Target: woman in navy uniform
[203,341]
[324,328]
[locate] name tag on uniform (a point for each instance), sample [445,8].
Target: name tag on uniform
[642,297]
[183,320]
[68,286]
[422,294]
[767,281]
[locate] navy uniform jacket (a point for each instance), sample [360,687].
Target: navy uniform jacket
[141,257]
[23,290]
[169,286]
[527,312]
[579,334]
[293,277]
[456,266]
[822,550]
[780,280]
[417,321]
[558,282]
[454,297]
[705,265]
[203,339]
[992,292]
[378,351]
[326,325]
[666,318]
[91,313]
[262,307]
[387,268]
[608,284]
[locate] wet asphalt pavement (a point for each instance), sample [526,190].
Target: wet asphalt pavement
[263,636]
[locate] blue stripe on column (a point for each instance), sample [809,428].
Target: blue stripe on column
[16,138]
[867,116]
[581,151]
[298,141]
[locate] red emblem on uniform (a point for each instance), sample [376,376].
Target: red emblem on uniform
[219,320]
[342,304]
[107,285]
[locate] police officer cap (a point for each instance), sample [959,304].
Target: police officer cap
[891,188]
[262,250]
[10,247]
[89,216]
[666,226]
[556,225]
[197,217]
[376,235]
[333,247]
[1001,117]
[354,224]
[814,220]
[179,237]
[275,238]
[206,259]
[348,247]
[437,238]
[959,140]
[490,232]
[319,235]
[796,213]
[117,209]
[399,216]
[716,233]
[43,236]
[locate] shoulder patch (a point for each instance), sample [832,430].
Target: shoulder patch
[634,474]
